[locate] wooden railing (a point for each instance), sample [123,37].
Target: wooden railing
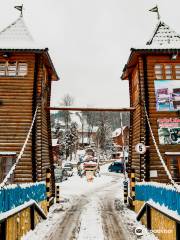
[146,210]
[17,217]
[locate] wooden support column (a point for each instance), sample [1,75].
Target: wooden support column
[34,161]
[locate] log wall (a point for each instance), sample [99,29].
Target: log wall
[154,115]
[139,132]
[19,97]
[16,115]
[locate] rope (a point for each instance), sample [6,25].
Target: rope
[157,150]
[21,152]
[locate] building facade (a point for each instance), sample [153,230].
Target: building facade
[26,73]
[153,71]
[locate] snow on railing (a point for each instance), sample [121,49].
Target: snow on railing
[14,195]
[160,193]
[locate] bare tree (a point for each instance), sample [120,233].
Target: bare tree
[91,121]
[67,101]
[81,118]
[104,130]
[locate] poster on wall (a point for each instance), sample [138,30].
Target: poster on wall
[169,130]
[167,95]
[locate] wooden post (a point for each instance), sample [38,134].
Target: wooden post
[148,217]
[177,230]
[48,183]
[32,216]
[57,194]
[133,186]
[3,230]
[125,191]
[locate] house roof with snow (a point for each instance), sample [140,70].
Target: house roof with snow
[117,132]
[16,37]
[163,40]
[164,35]
[87,129]
[54,142]
[85,140]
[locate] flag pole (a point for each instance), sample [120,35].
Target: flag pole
[156,10]
[20,8]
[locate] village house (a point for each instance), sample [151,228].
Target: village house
[87,136]
[153,71]
[26,73]
[56,151]
[120,137]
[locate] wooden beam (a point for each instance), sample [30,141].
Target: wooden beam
[89,109]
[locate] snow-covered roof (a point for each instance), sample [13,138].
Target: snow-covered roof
[163,37]
[87,129]
[85,140]
[54,142]
[17,36]
[7,153]
[117,132]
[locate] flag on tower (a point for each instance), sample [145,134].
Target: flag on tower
[155,9]
[20,8]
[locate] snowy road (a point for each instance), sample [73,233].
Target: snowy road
[90,211]
[93,216]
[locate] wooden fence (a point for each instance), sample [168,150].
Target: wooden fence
[158,207]
[22,207]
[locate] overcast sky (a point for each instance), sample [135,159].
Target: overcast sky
[90,40]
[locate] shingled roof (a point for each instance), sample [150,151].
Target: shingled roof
[17,36]
[164,35]
[163,40]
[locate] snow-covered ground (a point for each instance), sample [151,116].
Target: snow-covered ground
[91,227]
[90,223]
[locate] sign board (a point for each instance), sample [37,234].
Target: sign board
[169,130]
[153,173]
[167,95]
[140,148]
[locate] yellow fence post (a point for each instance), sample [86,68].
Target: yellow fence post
[133,187]
[57,194]
[48,183]
[125,191]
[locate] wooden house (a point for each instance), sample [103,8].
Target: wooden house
[26,72]
[121,138]
[153,71]
[56,151]
[87,135]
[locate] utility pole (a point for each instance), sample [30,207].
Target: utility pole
[123,147]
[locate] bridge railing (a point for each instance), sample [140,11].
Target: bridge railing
[21,208]
[163,194]
[14,195]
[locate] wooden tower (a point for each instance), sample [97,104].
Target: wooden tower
[26,72]
[153,71]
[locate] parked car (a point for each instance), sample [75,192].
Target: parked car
[116,167]
[60,174]
[68,167]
